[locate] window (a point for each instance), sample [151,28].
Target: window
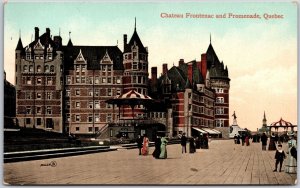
[108,118]
[77,118]
[109,92]
[134,65]
[103,67]
[201,109]
[96,129]
[77,92]
[96,92]
[38,121]
[103,80]
[90,129]
[118,92]
[118,80]
[49,81]
[52,68]
[90,104]
[49,55]
[90,118]
[109,106]
[28,110]
[68,105]
[82,79]
[39,81]
[83,68]
[77,129]
[108,67]
[219,123]
[48,110]
[38,110]
[97,80]
[39,68]
[220,100]
[109,80]
[47,68]
[27,120]
[25,69]
[30,68]
[135,55]
[134,79]
[38,95]
[68,117]
[77,104]
[68,93]
[28,55]
[28,80]
[90,80]
[48,95]
[77,68]
[220,111]
[68,80]
[28,95]
[219,90]
[97,104]
[90,92]
[77,79]
[97,119]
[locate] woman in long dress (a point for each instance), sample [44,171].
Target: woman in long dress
[291,162]
[192,145]
[145,149]
[156,151]
[163,148]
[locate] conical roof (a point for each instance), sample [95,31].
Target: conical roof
[19,45]
[135,39]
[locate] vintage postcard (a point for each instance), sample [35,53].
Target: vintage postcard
[150,93]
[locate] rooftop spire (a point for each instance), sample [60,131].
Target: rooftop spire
[69,34]
[134,23]
[209,38]
[19,33]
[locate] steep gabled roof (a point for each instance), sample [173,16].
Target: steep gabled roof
[215,67]
[135,39]
[93,55]
[197,76]
[19,45]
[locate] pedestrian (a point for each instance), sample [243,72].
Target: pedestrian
[272,145]
[205,141]
[243,139]
[183,140]
[157,151]
[192,145]
[163,148]
[197,142]
[235,139]
[291,164]
[247,141]
[264,140]
[140,144]
[279,156]
[238,139]
[145,149]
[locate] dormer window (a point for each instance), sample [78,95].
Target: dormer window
[25,69]
[38,68]
[30,68]
[49,55]
[83,68]
[28,55]
[134,65]
[77,67]
[47,68]
[52,68]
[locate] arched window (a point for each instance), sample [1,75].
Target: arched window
[52,68]
[25,68]
[38,68]
[30,68]
[47,68]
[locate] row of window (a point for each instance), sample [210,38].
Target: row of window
[135,56]
[48,95]
[39,56]
[90,129]
[90,104]
[91,80]
[47,68]
[202,110]
[49,124]
[29,110]
[202,122]
[90,119]
[39,81]
[220,123]
[108,92]
[157,115]
[220,100]
[219,111]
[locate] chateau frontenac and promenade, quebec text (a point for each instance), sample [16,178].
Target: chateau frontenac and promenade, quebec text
[266,16]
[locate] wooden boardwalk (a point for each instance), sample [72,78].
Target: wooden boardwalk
[223,164]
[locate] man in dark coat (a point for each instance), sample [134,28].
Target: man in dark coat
[264,140]
[183,142]
[192,145]
[140,144]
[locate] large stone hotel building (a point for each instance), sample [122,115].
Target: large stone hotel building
[65,89]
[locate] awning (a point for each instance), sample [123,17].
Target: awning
[210,131]
[217,131]
[199,130]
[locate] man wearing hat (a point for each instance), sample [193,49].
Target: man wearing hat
[291,164]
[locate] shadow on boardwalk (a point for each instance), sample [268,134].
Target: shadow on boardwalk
[223,164]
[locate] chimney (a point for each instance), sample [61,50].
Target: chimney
[36,36]
[58,41]
[48,32]
[181,61]
[164,68]
[125,41]
[203,66]
[153,75]
[190,72]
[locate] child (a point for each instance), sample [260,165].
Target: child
[279,156]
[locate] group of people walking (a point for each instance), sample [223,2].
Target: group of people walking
[243,138]
[160,151]
[195,143]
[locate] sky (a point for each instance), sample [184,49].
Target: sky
[260,53]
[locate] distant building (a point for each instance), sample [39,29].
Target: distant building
[264,128]
[9,104]
[65,88]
